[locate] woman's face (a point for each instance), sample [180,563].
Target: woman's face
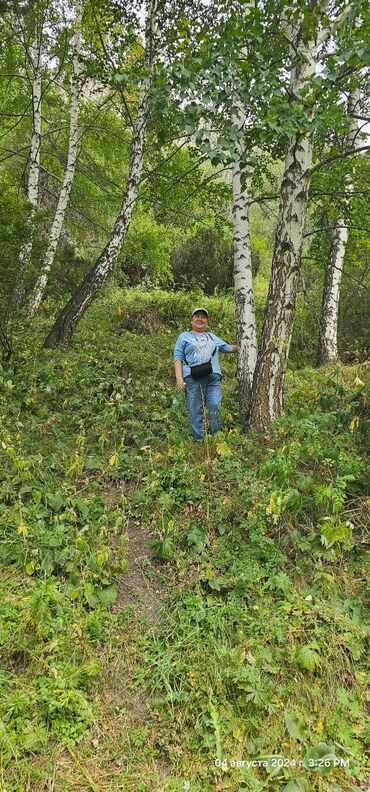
[199,322]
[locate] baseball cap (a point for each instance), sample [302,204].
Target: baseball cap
[200,309]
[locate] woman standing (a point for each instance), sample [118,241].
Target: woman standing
[198,372]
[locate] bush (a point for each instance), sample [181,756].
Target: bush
[204,260]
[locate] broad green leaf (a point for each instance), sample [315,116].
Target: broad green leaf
[56,501]
[82,507]
[107,596]
[298,785]
[307,658]
[295,726]
[90,594]
[320,757]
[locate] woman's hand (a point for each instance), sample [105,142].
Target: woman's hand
[181,384]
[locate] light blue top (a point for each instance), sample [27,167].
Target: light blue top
[197,348]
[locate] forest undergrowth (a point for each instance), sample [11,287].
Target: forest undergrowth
[174,617]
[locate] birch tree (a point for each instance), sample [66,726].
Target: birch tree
[66,322]
[305,37]
[246,330]
[243,281]
[328,326]
[64,194]
[34,54]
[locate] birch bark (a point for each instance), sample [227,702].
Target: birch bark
[243,283]
[66,322]
[267,397]
[328,327]
[35,152]
[63,200]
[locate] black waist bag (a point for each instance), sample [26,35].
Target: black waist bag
[202,369]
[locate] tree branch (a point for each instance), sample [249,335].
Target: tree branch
[335,157]
[328,31]
[331,227]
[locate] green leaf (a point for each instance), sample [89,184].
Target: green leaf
[82,507]
[320,757]
[332,532]
[195,536]
[90,595]
[107,596]
[295,726]
[307,658]
[298,785]
[56,501]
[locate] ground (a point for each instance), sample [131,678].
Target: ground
[169,612]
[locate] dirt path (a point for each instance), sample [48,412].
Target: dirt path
[136,589]
[123,701]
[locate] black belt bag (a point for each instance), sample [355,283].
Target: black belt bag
[202,369]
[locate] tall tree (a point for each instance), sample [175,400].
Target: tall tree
[34,57]
[306,33]
[66,322]
[243,281]
[64,194]
[328,325]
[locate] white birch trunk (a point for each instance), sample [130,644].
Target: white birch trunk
[34,166]
[72,313]
[243,284]
[63,200]
[328,326]
[267,397]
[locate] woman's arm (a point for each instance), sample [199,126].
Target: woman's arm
[181,384]
[223,346]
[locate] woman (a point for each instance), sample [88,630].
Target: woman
[192,349]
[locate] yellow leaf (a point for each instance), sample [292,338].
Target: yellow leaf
[359,382]
[30,568]
[223,450]
[113,460]
[354,424]
[145,448]
[202,476]
[22,530]
[238,733]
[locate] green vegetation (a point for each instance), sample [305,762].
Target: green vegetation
[247,637]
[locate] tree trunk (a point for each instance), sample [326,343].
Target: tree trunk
[34,166]
[65,325]
[267,397]
[59,216]
[244,298]
[327,351]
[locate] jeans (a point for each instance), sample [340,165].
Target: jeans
[201,393]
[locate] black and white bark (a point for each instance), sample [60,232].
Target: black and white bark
[66,322]
[267,396]
[327,351]
[35,57]
[243,283]
[65,191]
[268,381]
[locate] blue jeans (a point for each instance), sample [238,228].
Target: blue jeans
[199,394]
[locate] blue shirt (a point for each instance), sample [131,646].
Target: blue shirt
[197,348]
